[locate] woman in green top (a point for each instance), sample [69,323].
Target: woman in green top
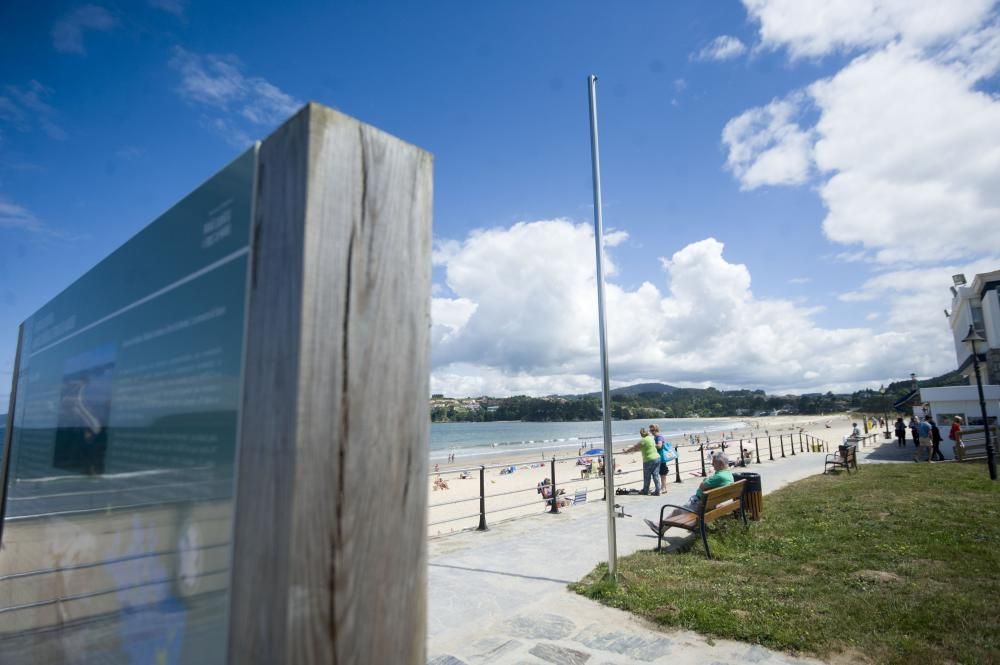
[650,461]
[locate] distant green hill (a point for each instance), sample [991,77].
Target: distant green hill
[637,389]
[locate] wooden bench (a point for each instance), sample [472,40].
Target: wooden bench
[846,457]
[714,504]
[974,444]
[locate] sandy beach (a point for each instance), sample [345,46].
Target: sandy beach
[511,495]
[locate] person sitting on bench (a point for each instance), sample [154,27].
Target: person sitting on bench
[722,477]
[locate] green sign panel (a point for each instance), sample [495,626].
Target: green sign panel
[122,449]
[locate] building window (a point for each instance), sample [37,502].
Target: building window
[977,319]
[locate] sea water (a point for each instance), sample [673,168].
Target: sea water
[503,438]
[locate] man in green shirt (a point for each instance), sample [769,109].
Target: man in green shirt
[650,461]
[722,477]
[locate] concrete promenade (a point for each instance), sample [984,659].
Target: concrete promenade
[500,596]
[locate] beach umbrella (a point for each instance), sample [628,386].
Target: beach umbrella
[594,451]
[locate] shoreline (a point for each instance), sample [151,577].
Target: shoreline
[565,448]
[498,449]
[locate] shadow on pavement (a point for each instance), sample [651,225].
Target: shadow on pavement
[500,572]
[890,452]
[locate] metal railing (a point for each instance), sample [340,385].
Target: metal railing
[690,460]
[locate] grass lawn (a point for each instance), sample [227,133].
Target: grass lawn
[899,563]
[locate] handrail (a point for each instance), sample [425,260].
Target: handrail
[690,460]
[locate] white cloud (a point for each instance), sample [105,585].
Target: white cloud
[912,151]
[905,147]
[236,105]
[175,7]
[766,145]
[811,29]
[523,319]
[67,33]
[25,107]
[929,285]
[15,216]
[723,47]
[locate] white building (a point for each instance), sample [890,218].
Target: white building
[975,304]
[948,402]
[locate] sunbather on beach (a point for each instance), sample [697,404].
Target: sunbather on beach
[722,477]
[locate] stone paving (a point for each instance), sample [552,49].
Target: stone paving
[500,596]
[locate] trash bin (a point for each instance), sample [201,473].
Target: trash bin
[753,495]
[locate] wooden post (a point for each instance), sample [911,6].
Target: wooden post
[329,560]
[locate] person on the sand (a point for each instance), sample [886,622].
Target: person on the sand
[722,477]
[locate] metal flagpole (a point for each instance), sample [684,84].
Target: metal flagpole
[609,461]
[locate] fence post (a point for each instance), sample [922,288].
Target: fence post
[555,497]
[756,446]
[677,465]
[781,443]
[791,443]
[743,460]
[770,451]
[482,499]
[701,453]
[801,448]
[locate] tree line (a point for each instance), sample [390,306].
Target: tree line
[682,403]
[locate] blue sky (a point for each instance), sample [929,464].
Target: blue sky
[773,174]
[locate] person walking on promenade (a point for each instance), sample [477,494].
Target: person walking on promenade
[915,431]
[900,433]
[936,455]
[650,461]
[667,455]
[955,434]
[924,440]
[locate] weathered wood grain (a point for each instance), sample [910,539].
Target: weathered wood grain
[329,557]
